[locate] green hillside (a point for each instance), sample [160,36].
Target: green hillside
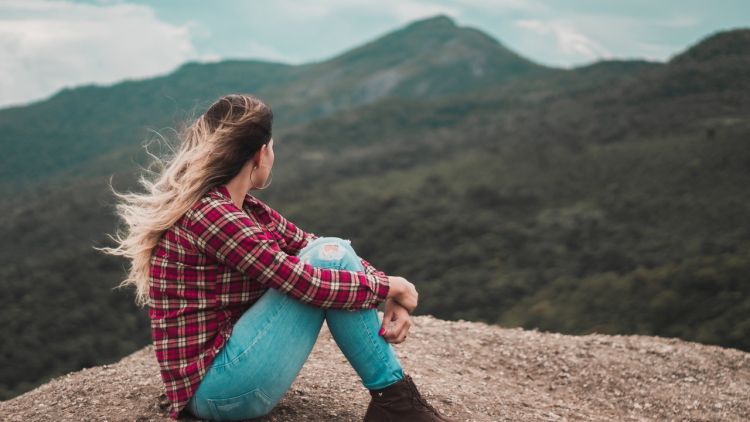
[608,198]
[83,123]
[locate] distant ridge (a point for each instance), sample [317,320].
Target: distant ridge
[729,43]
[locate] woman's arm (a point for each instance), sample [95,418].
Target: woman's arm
[295,238]
[369,269]
[226,233]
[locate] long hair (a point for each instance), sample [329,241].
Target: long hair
[212,150]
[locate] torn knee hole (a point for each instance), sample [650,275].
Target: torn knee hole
[331,251]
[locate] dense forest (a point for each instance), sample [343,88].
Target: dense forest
[607,198]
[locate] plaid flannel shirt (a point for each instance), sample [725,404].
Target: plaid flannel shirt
[214,263]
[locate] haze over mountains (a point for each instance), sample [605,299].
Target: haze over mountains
[608,198]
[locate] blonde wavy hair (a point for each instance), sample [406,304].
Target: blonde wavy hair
[212,150]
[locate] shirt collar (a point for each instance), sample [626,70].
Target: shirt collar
[250,201]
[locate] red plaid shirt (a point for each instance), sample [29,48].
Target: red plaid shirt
[214,263]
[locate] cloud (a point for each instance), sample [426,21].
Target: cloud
[401,10]
[47,45]
[570,42]
[505,6]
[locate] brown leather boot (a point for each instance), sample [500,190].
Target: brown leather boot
[401,402]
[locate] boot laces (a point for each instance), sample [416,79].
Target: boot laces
[421,400]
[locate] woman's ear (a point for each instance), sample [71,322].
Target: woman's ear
[258,157]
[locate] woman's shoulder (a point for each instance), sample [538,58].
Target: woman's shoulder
[212,201]
[217,201]
[220,194]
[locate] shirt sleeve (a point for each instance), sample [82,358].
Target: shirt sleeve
[369,269]
[226,233]
[294,237]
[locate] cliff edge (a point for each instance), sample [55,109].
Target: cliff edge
[468,370]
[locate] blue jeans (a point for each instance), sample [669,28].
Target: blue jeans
[273,338]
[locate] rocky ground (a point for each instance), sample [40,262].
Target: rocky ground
[471,371]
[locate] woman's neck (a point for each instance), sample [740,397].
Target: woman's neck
[238,190]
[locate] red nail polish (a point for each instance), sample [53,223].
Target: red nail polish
[382,330]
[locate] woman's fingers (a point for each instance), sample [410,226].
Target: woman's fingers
[394,332]
[398,332]
[402,333]
[396,322]
[385,327]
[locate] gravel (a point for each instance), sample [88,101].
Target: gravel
[468,370]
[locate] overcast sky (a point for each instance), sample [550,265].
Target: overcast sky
[46,45]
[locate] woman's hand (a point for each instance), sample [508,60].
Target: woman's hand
[403,292]
[396,322]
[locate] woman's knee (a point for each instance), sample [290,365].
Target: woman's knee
[327,240]
[330,251]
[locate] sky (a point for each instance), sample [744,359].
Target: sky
[48,45]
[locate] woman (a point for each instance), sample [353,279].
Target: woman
[237,294]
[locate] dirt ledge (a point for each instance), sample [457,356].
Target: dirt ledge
[469,370]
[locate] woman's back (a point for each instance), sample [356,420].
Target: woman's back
[214,263]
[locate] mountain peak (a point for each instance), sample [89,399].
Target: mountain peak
[437,21]
[435,54]
[435,29]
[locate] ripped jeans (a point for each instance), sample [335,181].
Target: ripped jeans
[274,337]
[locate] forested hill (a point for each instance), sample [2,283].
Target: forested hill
[608,198]
[427,59]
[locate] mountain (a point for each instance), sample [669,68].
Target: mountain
[431,58]
[712,74]
[720,46]
[608,198]
[470,371]
[427,59]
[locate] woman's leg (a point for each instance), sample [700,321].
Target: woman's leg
[394,394]
[267,348]
[272,340]
[355,331]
